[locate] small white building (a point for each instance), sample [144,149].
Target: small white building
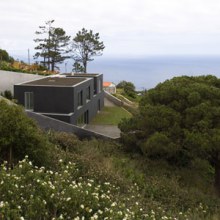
[109,87]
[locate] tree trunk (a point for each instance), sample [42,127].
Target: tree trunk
[217,177]
[85,66]
[52,65]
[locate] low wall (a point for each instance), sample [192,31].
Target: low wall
[8,79]
[113,99]
[48,123]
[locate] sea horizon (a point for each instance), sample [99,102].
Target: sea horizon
[147,72]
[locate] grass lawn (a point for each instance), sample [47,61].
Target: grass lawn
[110,116]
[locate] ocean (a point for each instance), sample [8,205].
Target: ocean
[147,72]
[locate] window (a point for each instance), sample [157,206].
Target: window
[99,85]
[29,100]
[99,105]
[80,98]
[88,93]
[94,85]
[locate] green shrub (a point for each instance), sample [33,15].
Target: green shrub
[20,136]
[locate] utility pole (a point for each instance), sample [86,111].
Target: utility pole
[29,63]
[66,67]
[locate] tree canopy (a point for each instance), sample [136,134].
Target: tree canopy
[4,56]
[179,121]
[53,46]
[86,45]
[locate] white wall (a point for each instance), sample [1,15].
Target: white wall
[9,79]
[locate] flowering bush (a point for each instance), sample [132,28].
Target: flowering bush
[30,192]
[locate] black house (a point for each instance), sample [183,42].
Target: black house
[73,98]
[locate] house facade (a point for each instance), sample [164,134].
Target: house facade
[74,99]
[109,87]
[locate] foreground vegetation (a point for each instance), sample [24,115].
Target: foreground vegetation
[98,180]
[179,121]
[63,177]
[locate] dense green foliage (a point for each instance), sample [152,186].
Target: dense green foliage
[7,94]
[86,45]
[4,56]
[179,121]
[20,136]
[128,88]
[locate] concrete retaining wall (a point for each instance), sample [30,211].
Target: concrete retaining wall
[48,123]
[113,99]
[8,79]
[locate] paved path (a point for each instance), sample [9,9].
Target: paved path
[108,130]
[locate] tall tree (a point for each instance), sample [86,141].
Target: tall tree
[4,56]
[86,45]
[179,121]
[53,46]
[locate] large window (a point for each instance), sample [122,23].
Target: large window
[80,98]
[29,100]
[99,85]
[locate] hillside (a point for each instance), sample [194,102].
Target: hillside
[93,179]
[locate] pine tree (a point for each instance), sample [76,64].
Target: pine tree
[86,45]
[53,47]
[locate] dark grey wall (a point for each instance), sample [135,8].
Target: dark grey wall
[91,106]
[48,123]
[47,99]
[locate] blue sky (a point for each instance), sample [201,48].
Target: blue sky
[129,28]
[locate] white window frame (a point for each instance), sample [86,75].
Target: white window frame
[29,101]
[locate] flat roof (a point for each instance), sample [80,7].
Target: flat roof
[56,81]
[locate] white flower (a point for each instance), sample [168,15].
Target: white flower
[113,204]
[21,218]
[82,206]
[68,199]
[2,204]
[61,216]
[100,211]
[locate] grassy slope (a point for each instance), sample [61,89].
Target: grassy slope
[110,116]
[161,186]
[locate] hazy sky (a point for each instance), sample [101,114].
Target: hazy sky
[128,27]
